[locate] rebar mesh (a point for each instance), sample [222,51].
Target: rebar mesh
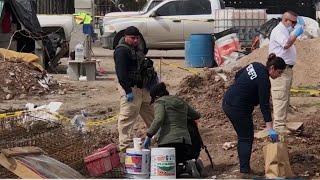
[58,139]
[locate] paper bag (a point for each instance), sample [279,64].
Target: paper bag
[277,163]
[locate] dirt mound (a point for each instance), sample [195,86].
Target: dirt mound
[205,93]
[307,68]
[19,79]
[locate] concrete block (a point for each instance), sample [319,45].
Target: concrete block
[73,71]
[90,68]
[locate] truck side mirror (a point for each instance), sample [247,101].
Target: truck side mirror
[153,14]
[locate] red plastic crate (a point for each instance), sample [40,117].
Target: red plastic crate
[103,160]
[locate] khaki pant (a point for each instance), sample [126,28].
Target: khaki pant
[129,112]
[280,90]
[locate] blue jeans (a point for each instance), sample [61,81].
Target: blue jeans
[88,29]
[243,124]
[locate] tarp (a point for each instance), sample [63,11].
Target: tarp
[267,27]
[18,56]
[25,11]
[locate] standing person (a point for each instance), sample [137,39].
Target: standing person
[135,75]
[172,115]
[282,40]
[251,87]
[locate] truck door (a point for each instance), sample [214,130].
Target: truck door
[165,29]
[197,17]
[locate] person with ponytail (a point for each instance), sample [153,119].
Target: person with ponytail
[251,88]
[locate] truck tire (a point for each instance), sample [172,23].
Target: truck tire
[120,35]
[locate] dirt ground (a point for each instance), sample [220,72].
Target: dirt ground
[100,99]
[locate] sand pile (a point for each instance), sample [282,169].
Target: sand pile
[307,69]
[19,79]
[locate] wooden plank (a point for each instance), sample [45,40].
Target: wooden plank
[28,150]
[18,168]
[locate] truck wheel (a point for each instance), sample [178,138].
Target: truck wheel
[119,37]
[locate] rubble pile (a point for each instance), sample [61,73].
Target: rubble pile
[205,93]
[20,79]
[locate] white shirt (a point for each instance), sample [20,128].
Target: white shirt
[278,39]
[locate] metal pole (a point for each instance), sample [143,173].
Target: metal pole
[160,69]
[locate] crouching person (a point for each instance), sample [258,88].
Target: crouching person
[171,120]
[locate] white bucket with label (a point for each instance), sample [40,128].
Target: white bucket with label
[163,163]
[137,163]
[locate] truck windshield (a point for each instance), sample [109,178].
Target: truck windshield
[149,5]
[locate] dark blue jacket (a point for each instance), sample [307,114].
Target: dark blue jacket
[251,87]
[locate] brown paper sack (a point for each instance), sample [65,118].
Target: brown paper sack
[277,163]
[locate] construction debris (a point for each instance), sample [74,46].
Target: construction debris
[59,139]
[21,79]
[229,145]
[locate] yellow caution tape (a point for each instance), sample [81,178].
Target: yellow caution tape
[60,117]
[90,122]
[312,92]
[101,122]
[11,114]
[191,70]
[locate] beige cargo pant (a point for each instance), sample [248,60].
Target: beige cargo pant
[129,112]
[280,90]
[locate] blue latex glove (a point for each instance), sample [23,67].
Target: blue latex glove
[147,143]
[129,97]
[273,135]
[298,31]
[300,21]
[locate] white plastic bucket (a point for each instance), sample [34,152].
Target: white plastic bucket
[163,163]
[137,163]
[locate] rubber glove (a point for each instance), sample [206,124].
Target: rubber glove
[129,97]
[273,135]
[147,143]
[300,21]
[298,31]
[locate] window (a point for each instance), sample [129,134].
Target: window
[191,7]
[170,9]
[153,4]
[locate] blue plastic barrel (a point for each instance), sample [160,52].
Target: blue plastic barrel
[198,51]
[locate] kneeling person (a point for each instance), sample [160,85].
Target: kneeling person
[171,117]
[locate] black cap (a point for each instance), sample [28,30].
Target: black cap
[131,31]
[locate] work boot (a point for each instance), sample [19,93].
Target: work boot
[191,168]
[200,168]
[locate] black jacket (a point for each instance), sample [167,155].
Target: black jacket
[124,63]
[251,87]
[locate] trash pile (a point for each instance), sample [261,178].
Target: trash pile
[21,79]
[205,93]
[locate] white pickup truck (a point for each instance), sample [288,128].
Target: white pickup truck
[59,28]
[167,25]
[147,7]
